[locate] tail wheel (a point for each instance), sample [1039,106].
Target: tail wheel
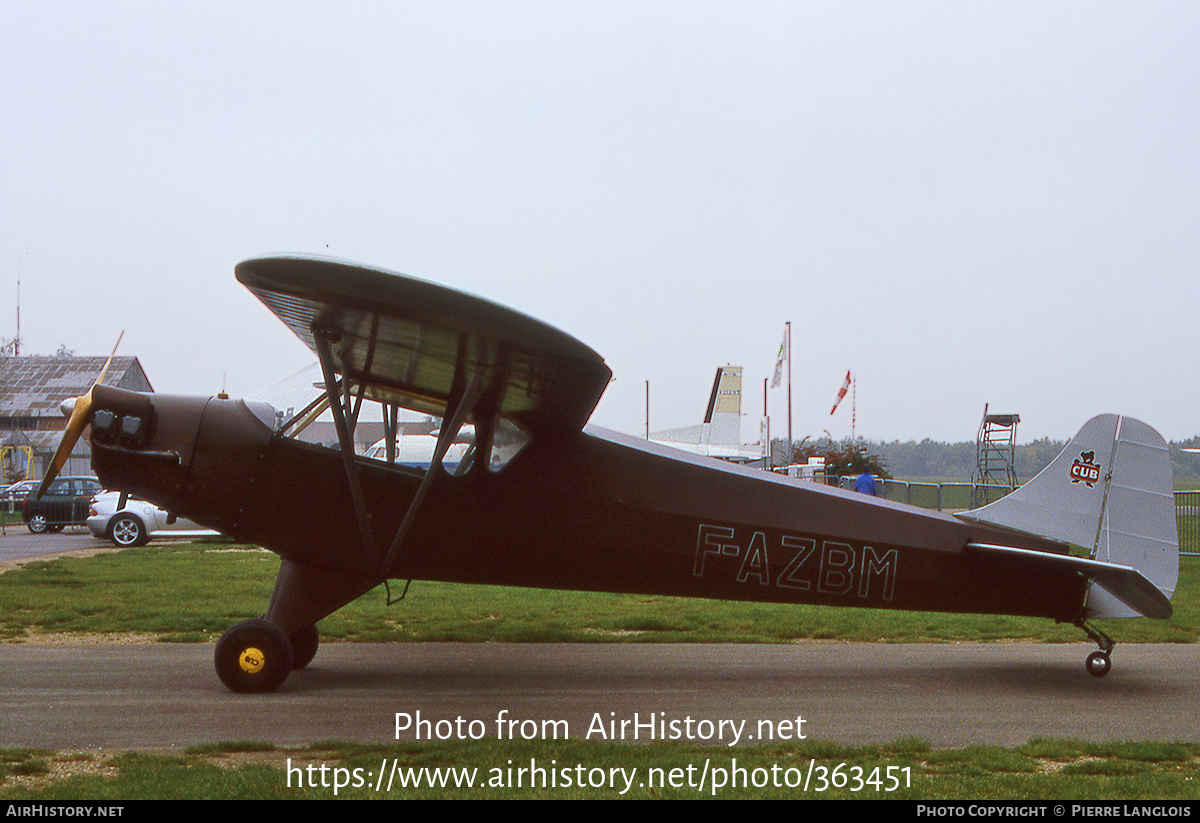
[253,656]
[1098,664]
[304,646]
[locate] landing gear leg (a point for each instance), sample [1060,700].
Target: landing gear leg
[1098,663]
[304,646]
[258,655]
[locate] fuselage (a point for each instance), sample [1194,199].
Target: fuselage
[585,510]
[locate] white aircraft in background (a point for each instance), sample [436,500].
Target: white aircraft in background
[417,440]
[721,432]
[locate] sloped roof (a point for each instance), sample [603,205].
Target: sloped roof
[34,386]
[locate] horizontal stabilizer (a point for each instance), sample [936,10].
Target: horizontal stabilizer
[1126,584]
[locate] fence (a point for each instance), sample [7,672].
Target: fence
[947,497]
[1187,519]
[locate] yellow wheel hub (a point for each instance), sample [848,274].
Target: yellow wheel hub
[252,660]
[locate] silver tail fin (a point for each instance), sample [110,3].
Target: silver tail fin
[1110,491]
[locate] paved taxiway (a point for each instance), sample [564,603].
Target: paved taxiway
[18,545]
[162,696]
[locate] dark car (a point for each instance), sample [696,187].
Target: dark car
[65,503]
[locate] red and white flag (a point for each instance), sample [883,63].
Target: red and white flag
[841,393]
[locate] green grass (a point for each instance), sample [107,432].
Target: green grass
[194,592]
[1040,769]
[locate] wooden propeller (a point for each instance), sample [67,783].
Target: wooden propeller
[81,415]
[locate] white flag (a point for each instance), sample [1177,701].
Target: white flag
[779,362]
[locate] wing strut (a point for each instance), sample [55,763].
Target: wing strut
[464,407]
[345,409]
[346,440]
[391,416]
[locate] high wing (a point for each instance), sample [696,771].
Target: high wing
[416,344]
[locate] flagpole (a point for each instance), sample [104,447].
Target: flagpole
[785,353]
[765,430]
[647,409]
[789,358]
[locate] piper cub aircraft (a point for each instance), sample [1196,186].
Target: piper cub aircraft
[538,498]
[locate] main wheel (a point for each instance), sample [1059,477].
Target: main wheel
[127,531]
[1098,664]
[304,646]
[37,524]
[253,656]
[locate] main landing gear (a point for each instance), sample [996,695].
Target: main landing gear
[1098,663]
[257,656]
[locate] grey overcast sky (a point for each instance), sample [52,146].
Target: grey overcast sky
[962,202]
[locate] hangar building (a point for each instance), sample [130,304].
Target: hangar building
[31,389]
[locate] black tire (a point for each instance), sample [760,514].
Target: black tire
[37,524]
[127,531]
[253,656]
[1098,664]
[304,646]
[56,528]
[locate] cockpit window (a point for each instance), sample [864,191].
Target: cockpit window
[461,453]
[415,427]
[507,442]
[416,443]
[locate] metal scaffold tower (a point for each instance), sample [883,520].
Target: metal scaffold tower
[995,458]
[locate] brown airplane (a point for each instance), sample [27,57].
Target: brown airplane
[537,498]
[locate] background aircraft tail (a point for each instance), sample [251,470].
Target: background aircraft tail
[722,424]
[1109,491]
[724,413]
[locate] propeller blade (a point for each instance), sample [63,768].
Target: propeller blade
[108,362]
[81,415]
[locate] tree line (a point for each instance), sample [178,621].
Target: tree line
[927,459]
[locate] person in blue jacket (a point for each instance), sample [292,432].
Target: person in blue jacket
[866,484]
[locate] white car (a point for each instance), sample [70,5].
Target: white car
[135,523]
[17,492]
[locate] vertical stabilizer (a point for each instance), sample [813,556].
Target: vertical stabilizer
[1110,491]
[724,414]
[720,434]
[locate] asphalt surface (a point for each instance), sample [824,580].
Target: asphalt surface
[17,544]
[163,696]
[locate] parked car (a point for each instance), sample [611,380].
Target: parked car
[128,521]
[16,493]
[65,503]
